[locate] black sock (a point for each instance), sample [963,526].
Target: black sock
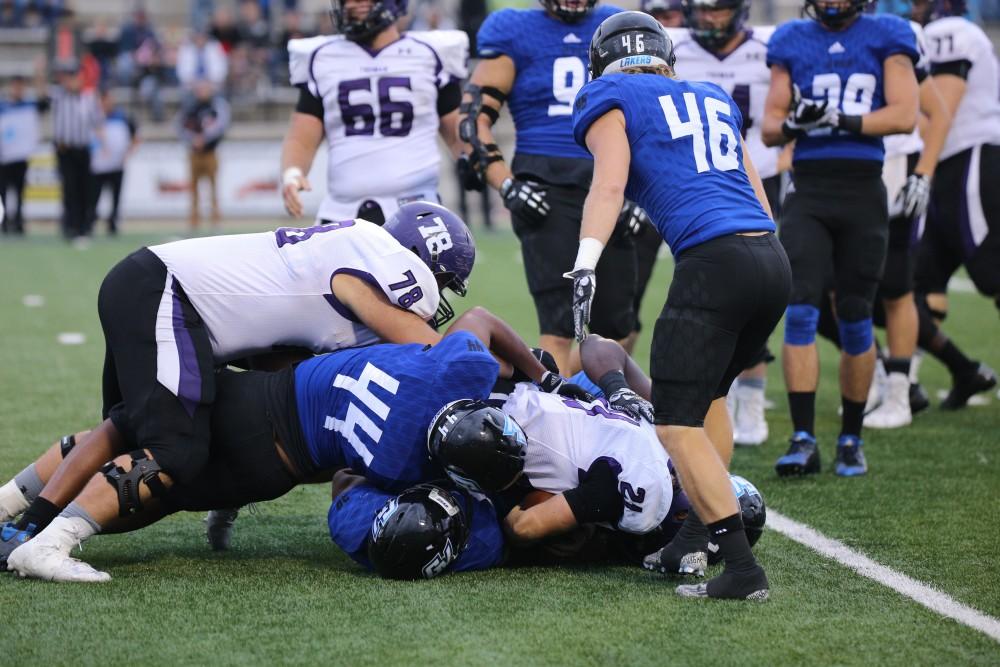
[898,365]
[802,405]
[730,539]
[692,535]
[952,357]
[854,414]
[41,513]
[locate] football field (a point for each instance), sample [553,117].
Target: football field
[285,595]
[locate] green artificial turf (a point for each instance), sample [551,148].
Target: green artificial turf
[284,594]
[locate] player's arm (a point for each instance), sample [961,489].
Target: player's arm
[491,82]
[755,181]
[902,100]
[601,356]
[776,106]
[505,343]
[305,133]
[936,121]
[370,305]
[448,100]
[596,500]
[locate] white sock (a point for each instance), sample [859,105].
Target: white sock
[12,501]
[66,533]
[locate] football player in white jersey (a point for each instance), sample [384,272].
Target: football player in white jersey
[717,46]
[963,220]
[380,98]
[172,312]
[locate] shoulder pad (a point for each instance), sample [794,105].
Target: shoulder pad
[762,33]
[300,53]
[678,35]
[451,47]
[951,38]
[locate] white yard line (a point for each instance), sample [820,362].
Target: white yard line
[919,592]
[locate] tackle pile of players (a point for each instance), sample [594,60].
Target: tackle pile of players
[239,367]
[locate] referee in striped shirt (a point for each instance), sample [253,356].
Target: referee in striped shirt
[76,118]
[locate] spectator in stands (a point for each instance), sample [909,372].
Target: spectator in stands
[10,15]
[102,43]
[108,154]
[223,28]
[201,58]
[202,123]
[76,116]
[20,121]
[291,20]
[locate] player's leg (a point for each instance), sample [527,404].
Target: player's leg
[647,248]
[860,244]
[749,423]
[212,172]
[809,246]
[18,494]
[115,178]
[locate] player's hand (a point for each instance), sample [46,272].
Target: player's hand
[807,115]
[635,406]
[292,182]
[631,219]
[468,176]
[523,199]
[916,194]
[584,287]
[553,383]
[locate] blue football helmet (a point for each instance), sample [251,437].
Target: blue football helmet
[569,11]
[709,36]
[382,14]
[830,14]
[444,243]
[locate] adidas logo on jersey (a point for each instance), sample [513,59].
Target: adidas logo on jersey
[836,48]
[571,39]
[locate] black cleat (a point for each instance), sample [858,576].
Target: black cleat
[730,586]
[966,386]
[802,457]
[919,400]
[219,528]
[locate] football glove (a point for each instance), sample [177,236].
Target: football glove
[584,287]
[468,176]
[524,200]
[807,115]
[553,383]
[631,219]
[632,404]
[912,200]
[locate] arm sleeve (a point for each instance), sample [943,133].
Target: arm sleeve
[309,103]
[593,101]
[597,500]
[898,38]
[494,36]
[449,97]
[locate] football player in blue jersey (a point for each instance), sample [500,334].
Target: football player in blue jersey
[366,408]
[674,147]
[536,61]
[840,81]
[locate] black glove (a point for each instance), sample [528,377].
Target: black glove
[632,404]
[524,200]
[552,383]
[630,220]
[807,115]
[468,177]
[543,356]
[584,287]
[915,195]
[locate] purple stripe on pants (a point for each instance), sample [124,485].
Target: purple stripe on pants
[189,383]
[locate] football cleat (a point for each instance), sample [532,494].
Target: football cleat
[12,501]
[11,538]
[894,410]
[749,424]
[46,559]
[693,563]
[919,400]
[850,461]
[965,387]
[802,457]
[730,586]
[219,528]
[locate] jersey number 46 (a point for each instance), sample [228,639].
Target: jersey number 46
[722,142]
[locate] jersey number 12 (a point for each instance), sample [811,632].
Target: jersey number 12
[724,157]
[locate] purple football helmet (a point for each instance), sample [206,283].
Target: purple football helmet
[444,243]
[382,14]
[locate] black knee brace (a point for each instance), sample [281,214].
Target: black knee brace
[126,482]
[66,444]
[927,328]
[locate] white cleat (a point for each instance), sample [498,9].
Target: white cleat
[12,501]
[40,558]
[749,424]
[894,411]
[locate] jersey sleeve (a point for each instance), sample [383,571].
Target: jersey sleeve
[495,36]
[646,488]
[350,520]
[465,368]
[300,52]
[452,50]
[780,49]
[485,548]
[594,100]
[898,38]
[950,47]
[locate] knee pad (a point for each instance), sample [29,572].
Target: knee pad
[853,308]
[856,337]
[126,482]
[66,444]
[801,320]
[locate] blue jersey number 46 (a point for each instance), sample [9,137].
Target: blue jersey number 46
[722,146]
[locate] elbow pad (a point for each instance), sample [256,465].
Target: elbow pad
[597,499]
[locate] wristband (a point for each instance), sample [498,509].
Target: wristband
[611,382]
[291,176]
[849,123]
[791,132]
[588,254]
